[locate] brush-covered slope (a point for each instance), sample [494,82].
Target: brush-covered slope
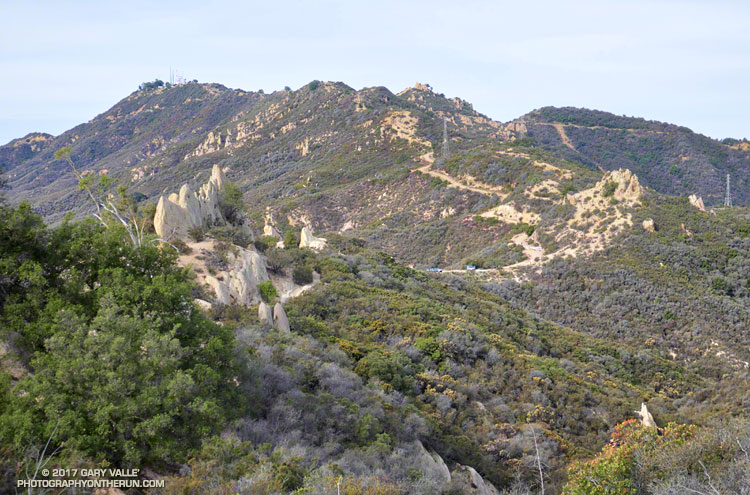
[370,162]
[666,157]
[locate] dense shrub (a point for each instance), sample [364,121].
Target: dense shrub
[302,275]
[124,368]
[267,291]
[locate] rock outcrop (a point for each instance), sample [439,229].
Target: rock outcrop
[270,230]
[178,213]
[465,479]
[697,201]
[308,240]
[628,186]
[432,465]
[264,313]
[648,225]
[238,284]
[647,419]
[279,318]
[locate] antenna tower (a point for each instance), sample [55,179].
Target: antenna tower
[728,195]
[445,138]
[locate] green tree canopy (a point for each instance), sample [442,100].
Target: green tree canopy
[123,364]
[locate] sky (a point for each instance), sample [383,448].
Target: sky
[684,62]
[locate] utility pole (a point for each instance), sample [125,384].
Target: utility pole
[445,138]
[728,195]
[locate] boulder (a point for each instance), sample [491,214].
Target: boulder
[647,419]
[264,313]
[308,240]
[279,318]
[648,225]
[466,480]
[205,305]
[431,464]
[177,213]
[697,201]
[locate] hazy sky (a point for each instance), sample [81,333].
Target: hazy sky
[685,62]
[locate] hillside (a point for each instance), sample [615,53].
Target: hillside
[668,158]
[594,285]
[339,159]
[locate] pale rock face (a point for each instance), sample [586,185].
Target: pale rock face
[239,284]
[697,201]
[246,230]
[470,482]
[647,419]
[628,186]
[279,318]
[178,213]
[202,304]
[220,289]
[648,225]
[270,231]
[308,240]
[434,465]
[264,313]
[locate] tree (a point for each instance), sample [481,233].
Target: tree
[230,202]
[302,275]
[126,212]
[267,291]
[122,363]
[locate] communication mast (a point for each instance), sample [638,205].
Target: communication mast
[728,195]
[176,76]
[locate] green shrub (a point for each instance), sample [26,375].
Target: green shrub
[267,291]
[567,189]
[291,239]
[302,275]
[265,243]
[181,246]
[197,233]
[230,202]
[488,221]
[124,370]
[609,189]
[616,470]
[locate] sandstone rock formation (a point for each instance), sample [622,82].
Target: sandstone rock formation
[239,283]
[264,313]
[697,201]
[308,240]
[628,186]
[279,318]
[178,213]
[466,480]
[270,230]
[647,419]
[432,465]
[648,225]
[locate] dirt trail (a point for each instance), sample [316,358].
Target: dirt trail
[555,124]
[534,253]
[565,139]
[471,183]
